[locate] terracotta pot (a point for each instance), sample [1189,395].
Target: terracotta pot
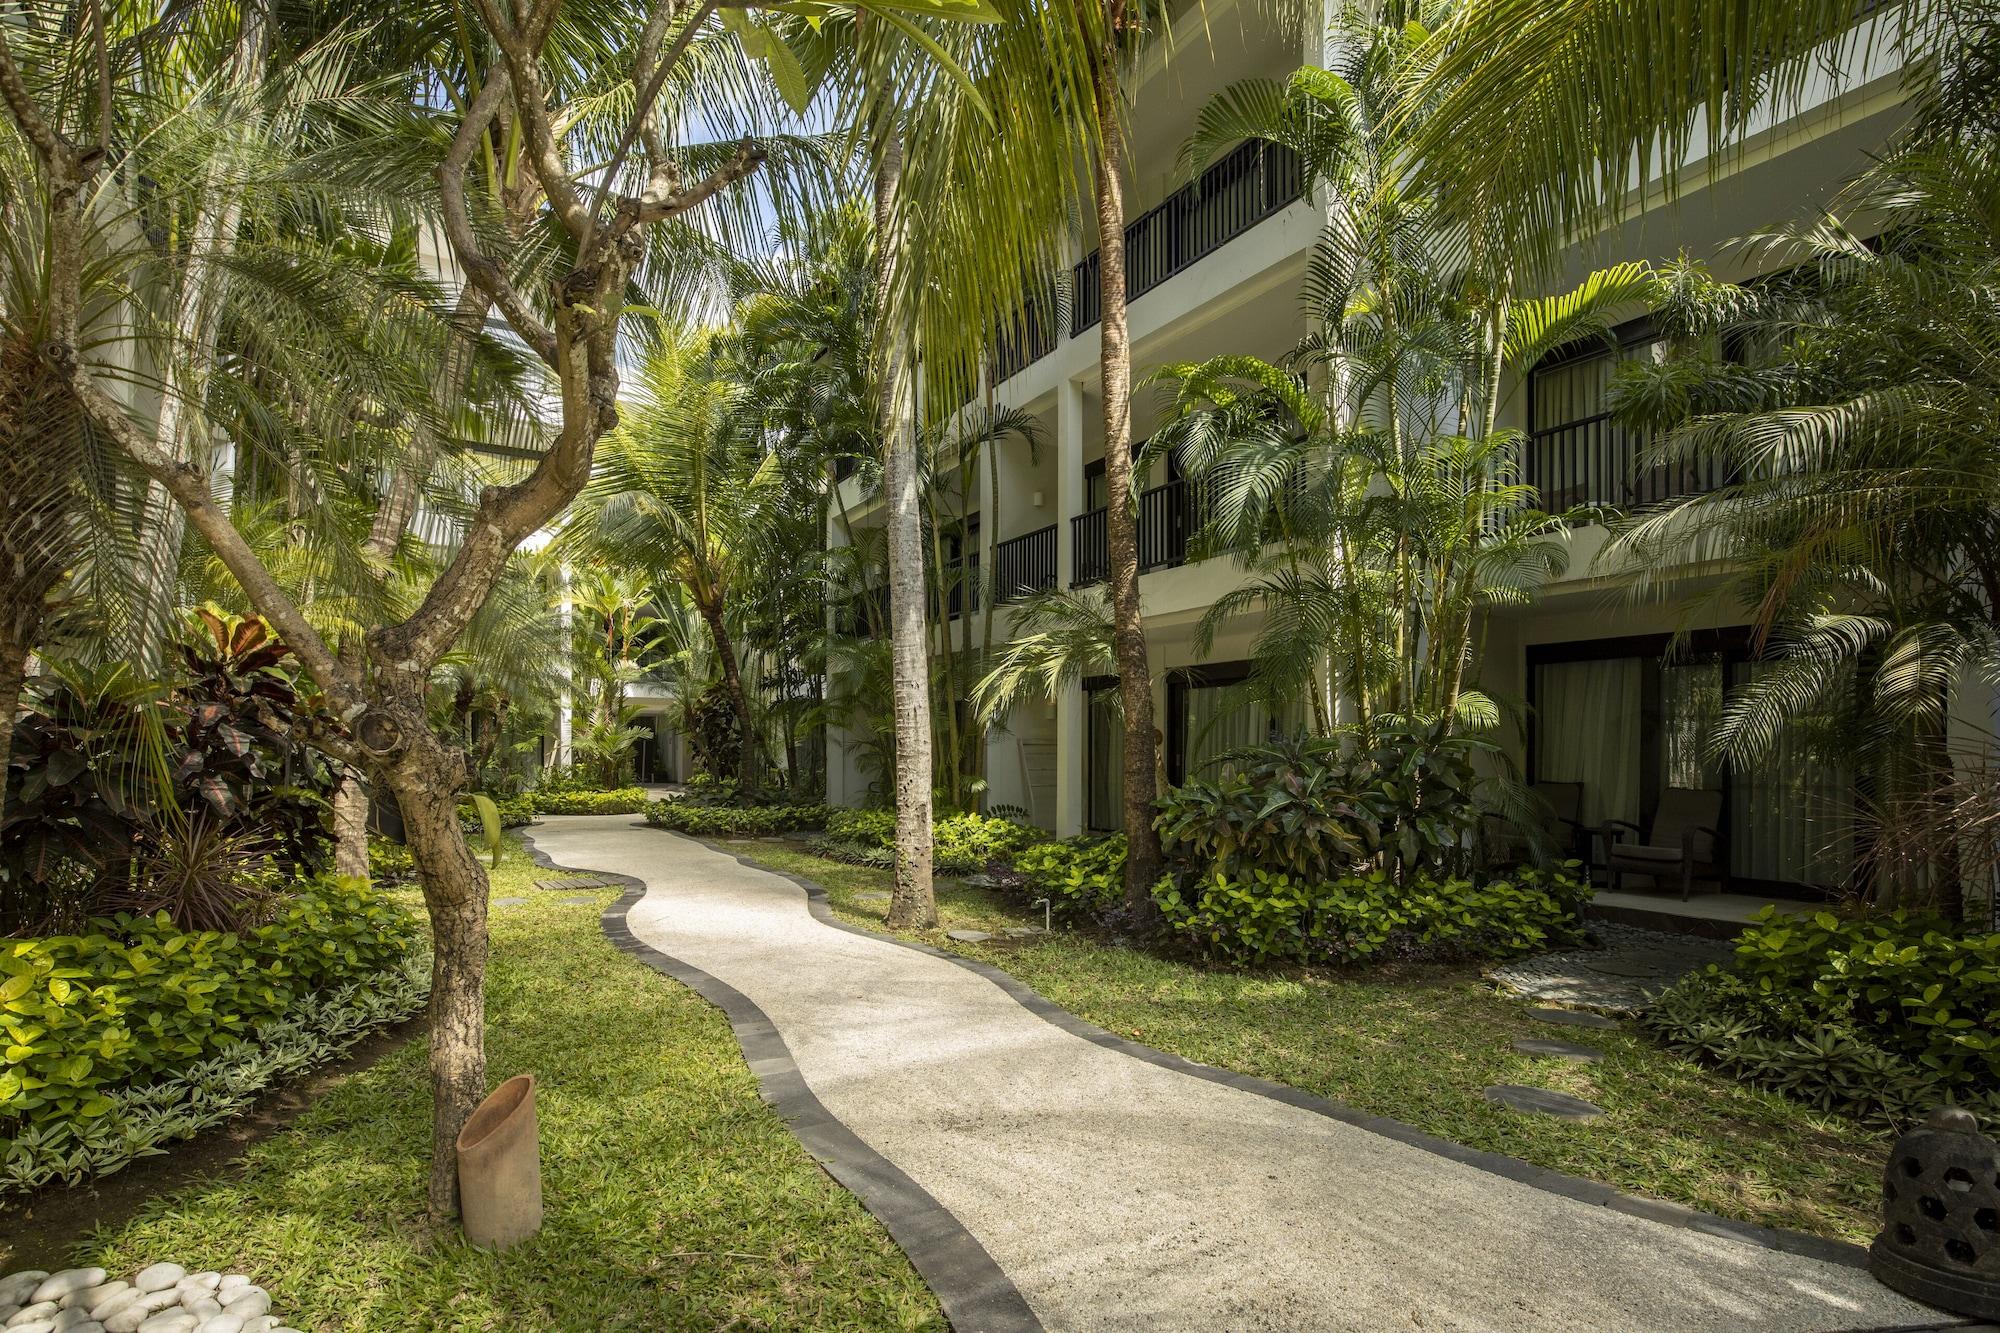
[500,1167]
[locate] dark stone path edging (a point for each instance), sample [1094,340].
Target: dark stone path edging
[1513,1168]
[1499,1164]
[976,1295]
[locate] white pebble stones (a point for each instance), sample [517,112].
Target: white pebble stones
[164,1298]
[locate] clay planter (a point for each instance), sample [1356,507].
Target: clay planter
[500,1167]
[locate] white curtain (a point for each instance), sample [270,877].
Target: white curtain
[1216,724]
[1588,731]
[1790,813]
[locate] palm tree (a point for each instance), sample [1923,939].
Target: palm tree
[1540,118]
[680,490]
[1365,485]
[1849,398]
[1115,27]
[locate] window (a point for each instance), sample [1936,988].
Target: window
[1104,756]
[1626,722]
[1208,715]
[1096,494]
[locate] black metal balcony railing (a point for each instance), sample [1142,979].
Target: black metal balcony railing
[1594,461]
[968,581]
[1254,181]
[1025,565]
[1168,516]
[1025,339]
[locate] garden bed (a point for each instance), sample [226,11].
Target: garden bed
[1419,1044]
[674,1197]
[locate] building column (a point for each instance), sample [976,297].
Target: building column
[1072,725]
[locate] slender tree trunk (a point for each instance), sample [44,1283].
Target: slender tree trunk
[350,826]
[1135,677]
[13,676]
[732,681]
[913,903]
[426,783]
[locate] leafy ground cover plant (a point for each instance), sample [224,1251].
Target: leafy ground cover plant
[1274,918]
[1083,878]
[962,844]
[618,801]
[733,821]
[90,1018]
[1882,1018]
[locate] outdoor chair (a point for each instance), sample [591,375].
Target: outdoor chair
[1681,842]
[1561,828]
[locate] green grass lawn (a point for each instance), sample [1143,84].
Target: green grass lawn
[675,1198]
[1418,1044]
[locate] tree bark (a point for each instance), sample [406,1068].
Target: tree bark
[732,681]
[913,904]
[426,783]
[350,826]
[1135,677]
[13,677]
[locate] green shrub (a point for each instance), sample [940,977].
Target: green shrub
[620,801]
[1267,918]
[1882,1018]
[1319,809]
[389,862]
[961,844]
[1083,878]
[142,1117]
[88,1014]
[734,821]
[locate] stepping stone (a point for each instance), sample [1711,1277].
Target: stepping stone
[1541,1101]
[874,896]
[508,902]
[1572,1018]
[576,902]
[967,936]
[1566,1050]
[1021,932]
[1627,966]
[982,880]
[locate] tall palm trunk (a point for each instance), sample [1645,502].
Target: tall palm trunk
[739,701]
[1135,677]
[913,903]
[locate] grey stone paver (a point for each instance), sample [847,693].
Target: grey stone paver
[1563,1050]
[1542,1101]
[1622,977]
[1119,1193]
[1575,1018]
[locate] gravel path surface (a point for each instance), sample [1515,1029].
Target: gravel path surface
[1118,1194]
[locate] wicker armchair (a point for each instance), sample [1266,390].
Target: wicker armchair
[1682,842]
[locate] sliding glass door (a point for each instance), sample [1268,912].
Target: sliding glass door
[1625,722]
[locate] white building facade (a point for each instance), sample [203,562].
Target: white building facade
[1216,267]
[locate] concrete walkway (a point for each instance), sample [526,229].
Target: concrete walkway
[1120,1194]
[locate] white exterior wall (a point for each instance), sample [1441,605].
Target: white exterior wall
[1243,298]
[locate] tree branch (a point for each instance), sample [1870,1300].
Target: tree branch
[54,149]
[659,206]
[185,482]
[479,267]
[642,107]
[531,108]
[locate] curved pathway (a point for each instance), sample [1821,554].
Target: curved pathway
[1119,1192]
